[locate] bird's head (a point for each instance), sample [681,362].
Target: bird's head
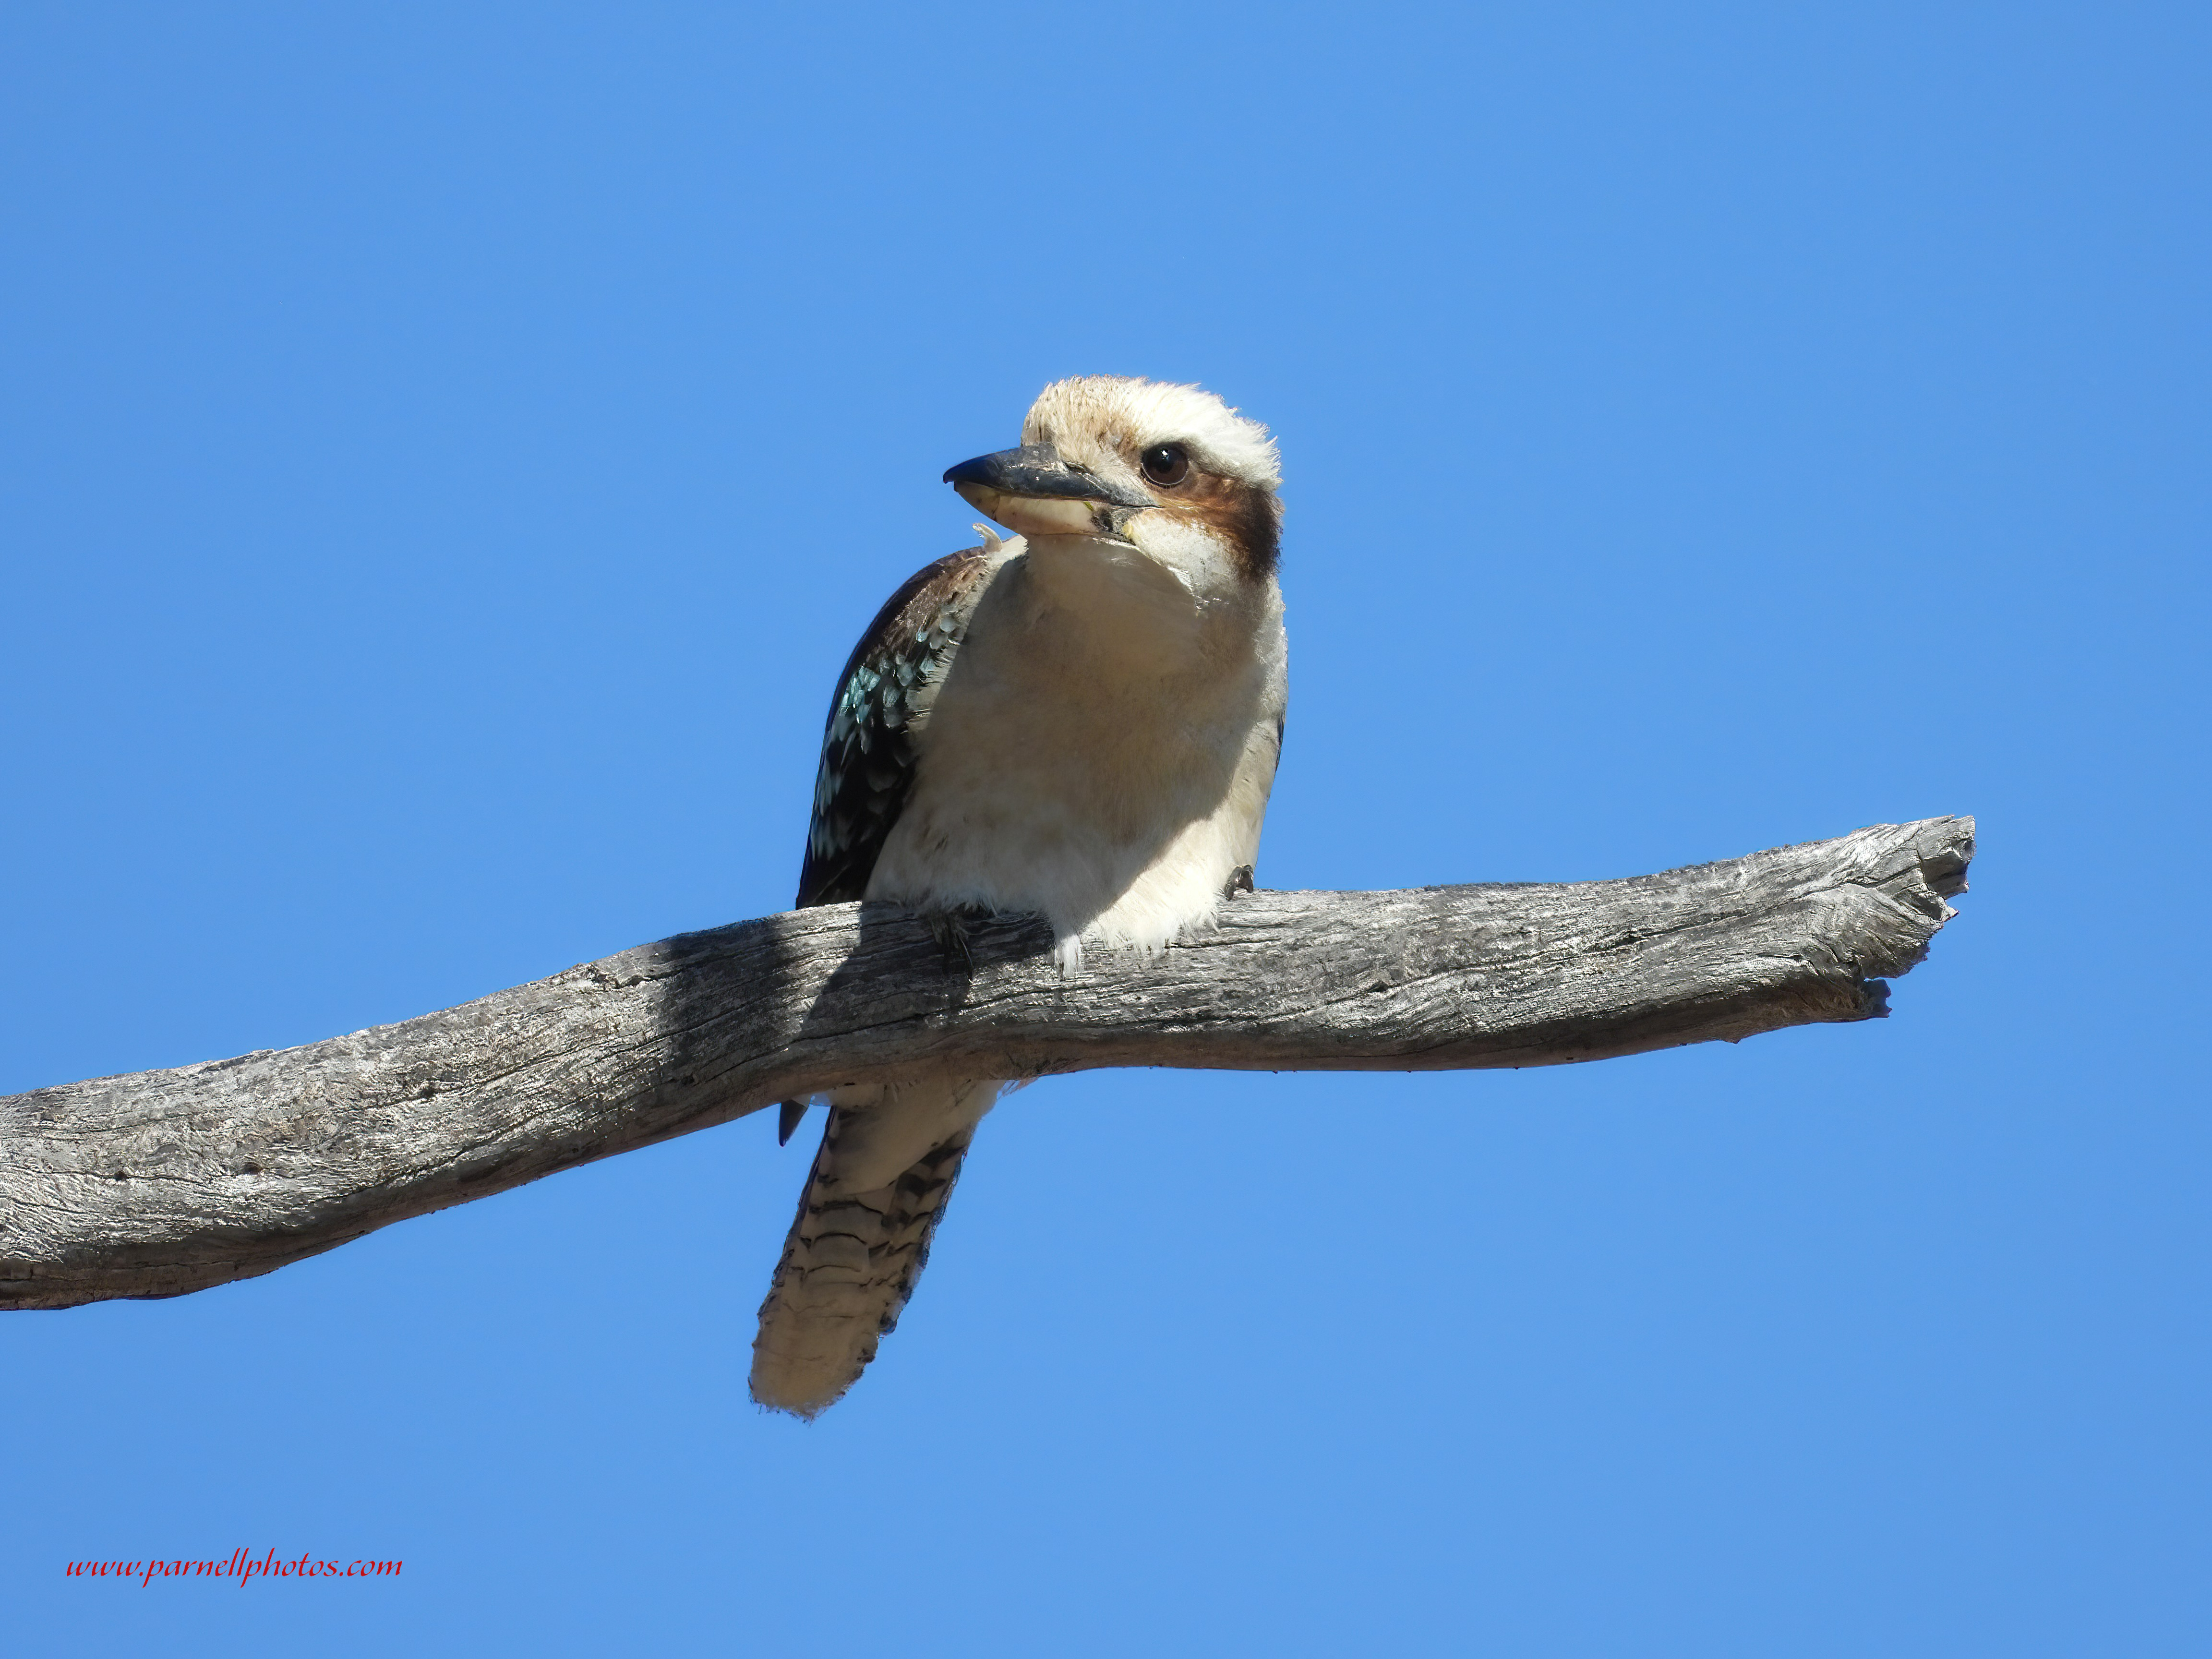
[1171,470]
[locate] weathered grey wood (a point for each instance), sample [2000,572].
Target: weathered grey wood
[168,1181]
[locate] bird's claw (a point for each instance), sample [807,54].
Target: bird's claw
[949,929]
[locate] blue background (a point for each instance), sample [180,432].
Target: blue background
[448,450]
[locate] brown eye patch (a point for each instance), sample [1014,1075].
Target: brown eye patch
[1248,518]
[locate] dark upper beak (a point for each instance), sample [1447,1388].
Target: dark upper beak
[1035,472]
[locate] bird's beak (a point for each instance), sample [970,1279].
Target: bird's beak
[1032,491]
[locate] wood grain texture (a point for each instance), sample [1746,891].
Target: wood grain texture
[163,1183]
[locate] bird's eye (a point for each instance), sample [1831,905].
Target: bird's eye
[1167,464]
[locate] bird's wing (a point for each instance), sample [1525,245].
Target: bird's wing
[889,1155]
[867,746]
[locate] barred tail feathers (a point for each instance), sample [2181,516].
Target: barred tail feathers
[878,1186]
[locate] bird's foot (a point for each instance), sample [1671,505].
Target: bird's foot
[949,929]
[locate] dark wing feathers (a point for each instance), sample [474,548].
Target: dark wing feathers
[867,748]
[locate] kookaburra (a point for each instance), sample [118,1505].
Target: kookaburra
[1081,722]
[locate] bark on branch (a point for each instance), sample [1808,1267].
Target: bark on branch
[168,1182]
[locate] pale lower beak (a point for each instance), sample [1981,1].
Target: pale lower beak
[1033,491]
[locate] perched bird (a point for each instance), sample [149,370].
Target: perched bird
[1081,721]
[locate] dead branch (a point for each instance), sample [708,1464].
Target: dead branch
[168,1182]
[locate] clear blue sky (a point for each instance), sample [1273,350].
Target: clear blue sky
[448,450]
